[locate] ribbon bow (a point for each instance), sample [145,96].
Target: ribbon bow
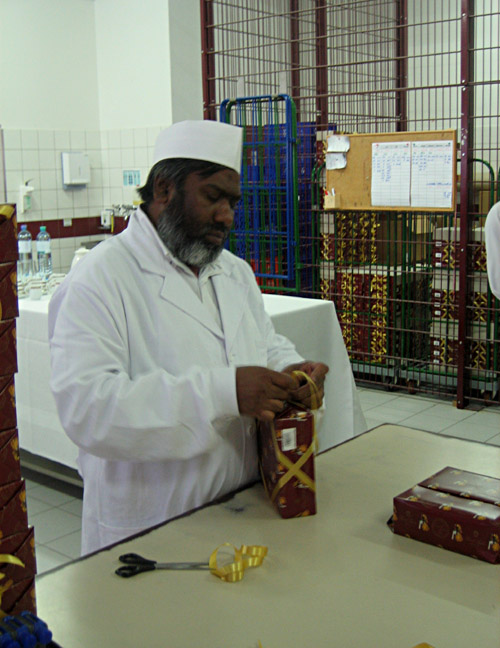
[13,560]
[245,557]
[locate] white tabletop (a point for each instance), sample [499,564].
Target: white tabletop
[339,579]
[311,324]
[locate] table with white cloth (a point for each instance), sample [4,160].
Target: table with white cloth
[311,324]
[339,578]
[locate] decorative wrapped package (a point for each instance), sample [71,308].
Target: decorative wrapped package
[22,546]
[13,511]
[8,291]
[453,509]
[286,457]
[8,350]
[9,457]
[8,233]
[8,417]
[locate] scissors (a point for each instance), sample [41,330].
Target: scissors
[135,564]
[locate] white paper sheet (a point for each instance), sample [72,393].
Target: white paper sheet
[432,167]
[338,144]
[391,165]
[336,161]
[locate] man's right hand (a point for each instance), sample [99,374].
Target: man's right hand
[261,392]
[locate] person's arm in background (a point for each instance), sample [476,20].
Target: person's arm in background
[492,240]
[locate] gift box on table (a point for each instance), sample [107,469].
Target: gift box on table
[286,456]
[8,233]
[8,291]
[13,511]
[8,350]
[19,597]
[9,457]
[453,509]
[22,546]
[8,417]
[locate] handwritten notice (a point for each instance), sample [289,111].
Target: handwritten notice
[391,173]
[432,173]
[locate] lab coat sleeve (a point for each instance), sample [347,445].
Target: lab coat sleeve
[492,240]
[153,417]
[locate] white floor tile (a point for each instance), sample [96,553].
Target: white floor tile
[35,506]
[50,495]
[450,412]
[48,559]
[427,422]
[53,524]
[74,506]
[69,545]
[494,440]
[468,430]
[387,413]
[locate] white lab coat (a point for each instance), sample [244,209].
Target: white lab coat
[492,240]
[144,381]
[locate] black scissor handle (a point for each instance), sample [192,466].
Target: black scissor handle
[135,559]
[131,570]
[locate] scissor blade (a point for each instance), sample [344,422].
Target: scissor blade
[182,565]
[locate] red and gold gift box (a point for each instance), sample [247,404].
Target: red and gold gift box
[19,597]
[446,248]
[8,351]
[8,291]
[286,457]
[453,509]
[444,346]
[8,233]
[13,511]
[22,546]
[9,457]
[8,416]
[445,291]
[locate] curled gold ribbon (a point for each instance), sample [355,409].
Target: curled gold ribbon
[245,557]
[13,560]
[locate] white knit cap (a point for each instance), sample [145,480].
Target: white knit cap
[201,140]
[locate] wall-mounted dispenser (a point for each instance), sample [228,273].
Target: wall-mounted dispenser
[24,202]
[75,169]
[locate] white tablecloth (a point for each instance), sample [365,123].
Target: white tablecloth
[311,324]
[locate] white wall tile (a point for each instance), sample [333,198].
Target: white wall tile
[46,140]
[13,159]
[29,139]
[62,140]
[12,140]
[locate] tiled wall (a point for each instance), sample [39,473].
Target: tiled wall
[72,216]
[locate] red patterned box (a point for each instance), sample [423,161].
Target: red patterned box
[446,248]
[13,511]
[22,546]
[8,417]
[444,346]
[8,233]
[20,597]
[8,291]
[286,456]
[445,291]
[9,457]
[8,351]
[453,509]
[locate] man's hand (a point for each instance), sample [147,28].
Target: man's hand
[262,392]
[317,372]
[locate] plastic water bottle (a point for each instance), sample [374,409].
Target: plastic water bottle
[44,254]
[25,265]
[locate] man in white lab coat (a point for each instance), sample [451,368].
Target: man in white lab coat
[492,241]
[162,355]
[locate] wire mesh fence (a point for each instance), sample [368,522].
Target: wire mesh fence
[410,287]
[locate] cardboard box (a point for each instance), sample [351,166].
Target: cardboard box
[13,511]
[453,509]
[8,349]
[8,233]
[10,468]
[22,546]
[8,416]
[286,457]
[8,291]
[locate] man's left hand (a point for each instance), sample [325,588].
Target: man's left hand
[317,372]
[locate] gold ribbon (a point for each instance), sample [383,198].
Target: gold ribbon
[13,560]
[245,557]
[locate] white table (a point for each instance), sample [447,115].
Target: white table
[338,579]
[311,324]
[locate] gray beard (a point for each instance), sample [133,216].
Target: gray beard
[191,250]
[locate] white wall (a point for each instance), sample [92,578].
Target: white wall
[48,70]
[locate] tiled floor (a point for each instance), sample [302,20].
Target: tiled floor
[54,507]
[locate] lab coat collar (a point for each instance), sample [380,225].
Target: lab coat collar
[142,239]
